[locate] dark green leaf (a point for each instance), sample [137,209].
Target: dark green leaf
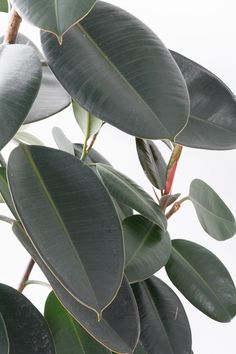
[214,216]
[27,330]
[43,107]
[212,122]
[5,192]
[140,349]
[95,157]
[164,324]
[4,5]
[203,280]
[147,248]
[53,16]
[4,340]
[127,192]
[56,194]
[67,332]
[117,69]
[118,329]
[20,77]
[89,124]
[152,162]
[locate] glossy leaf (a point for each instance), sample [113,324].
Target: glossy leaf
[152,162]
[117,69]
[212,122]
[147,248]
[127,192]
[4,340]
[43,107]
[164,324]
[95,157]
[5,192]
[77,213]
[3,5]
[20,77]
[214,216]
[67,332]
[62,141]
[53,16]
[203,280]
[89,124]
[27,330]
[118,329]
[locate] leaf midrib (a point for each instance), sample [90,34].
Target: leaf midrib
[210,290]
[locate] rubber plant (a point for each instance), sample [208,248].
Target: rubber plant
[98,237]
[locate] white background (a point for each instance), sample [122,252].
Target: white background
[205,31]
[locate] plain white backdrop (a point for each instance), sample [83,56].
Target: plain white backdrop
[204,31]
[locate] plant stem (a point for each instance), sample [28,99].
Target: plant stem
[86,149]
[6,219]
[12,28]
[26,275]
[176,206]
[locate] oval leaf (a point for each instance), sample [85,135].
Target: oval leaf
[89,124]
[147,248]
[72,206]
[50,87]
[118,330]
[127,192]
[62,141]
[214,216]
[202,279]
[27,330]
[212,121]
[164,324]
[137,88]
[4,5]
[4,340]
[67,332]
[27,138]
[53,16]
[152,162]
[20,77]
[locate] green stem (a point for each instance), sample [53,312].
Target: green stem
[183,200]
[84,152]
[6,219]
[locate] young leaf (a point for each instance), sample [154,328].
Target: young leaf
[20,77]
[212,121]
[3,5]
[27,138]
[152,162]
[89,124]
[4,340]
[164,324]
[167,200]
[138,89]
[43,107]
[56,194]
[27,330]
[203,280]
[62,141]
[53,16]
[118,330]
[127,192]
[214,216]
[147,248]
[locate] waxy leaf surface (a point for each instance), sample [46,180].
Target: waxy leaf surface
[203,280]
[212,121]
[4,340]
[118,329]
[27,330]
[20,78]
[127,192]
[53,16]
[71,221]
[214,216]
[164,325]
[119,70]
[147,248]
